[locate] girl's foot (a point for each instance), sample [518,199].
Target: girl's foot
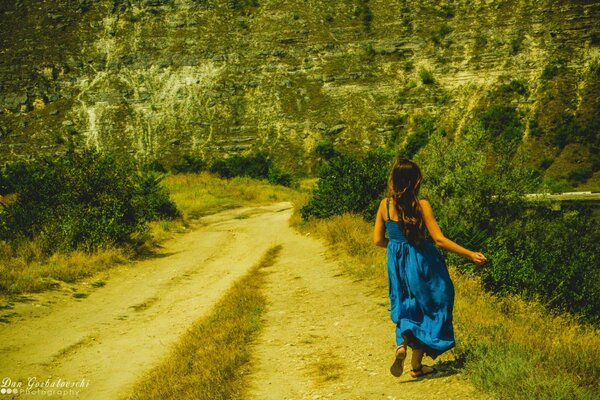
[397,367]
[422,371]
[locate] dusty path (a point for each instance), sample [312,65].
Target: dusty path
[115,334]
[329,336]
[325,336]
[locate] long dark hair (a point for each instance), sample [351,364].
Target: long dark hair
[403,185]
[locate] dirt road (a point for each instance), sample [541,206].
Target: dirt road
[325,336]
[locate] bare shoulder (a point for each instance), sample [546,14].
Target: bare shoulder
[424,203]
[383,201]
[382,204]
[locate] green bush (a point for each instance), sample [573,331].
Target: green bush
[503,124]
[477,197]
[189,164]
[325,150]
[348,183]
[426,77]
[420,137]
[280,177]
[84,200]
[255,166]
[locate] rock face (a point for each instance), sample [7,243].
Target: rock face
[162,78]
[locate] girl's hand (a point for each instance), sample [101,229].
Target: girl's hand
[478,258]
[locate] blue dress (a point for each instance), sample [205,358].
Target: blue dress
[421,292]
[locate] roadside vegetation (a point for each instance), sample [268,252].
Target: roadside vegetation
[527,322]
[506,345]
[68,218]
[211,358]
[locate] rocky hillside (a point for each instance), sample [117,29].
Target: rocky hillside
[163,78]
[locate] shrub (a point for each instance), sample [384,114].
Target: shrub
[84,200]
[533,251]
[189,164]
[325,150]
[503,124]
[155,166]
[551,71]
[254,166]
[566,130]
[514,86]
[420,137]
[440,33]
[280,177]
[349,184]
[426,77]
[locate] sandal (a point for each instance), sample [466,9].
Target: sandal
[397,367]
[418,372]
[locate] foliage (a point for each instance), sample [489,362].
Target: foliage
[440,33]
[84,200]
[189,163]
[280,177]
[426,77]
[257,166]
[514,86]
[349,184]
[478,199]
[254,166]
[503,124]
[420,137]
[325,150]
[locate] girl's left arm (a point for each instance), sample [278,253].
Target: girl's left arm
[379,238]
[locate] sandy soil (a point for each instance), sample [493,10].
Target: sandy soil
[325,335]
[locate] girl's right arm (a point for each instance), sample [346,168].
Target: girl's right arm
[436,234]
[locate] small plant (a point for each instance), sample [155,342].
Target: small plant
[551,71]
[426,77]
[446,11]
[420,137]
[503,124]
[189,164]
[440,33]
[481,41]
[325,150]
[329,18]
[254,166]
[514,86]
[280,177]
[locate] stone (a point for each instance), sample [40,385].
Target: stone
[68,122]
[337,129]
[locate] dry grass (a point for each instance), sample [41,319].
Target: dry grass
[202,194]
[211,358]
[507,346]
[326,367]
[25,269]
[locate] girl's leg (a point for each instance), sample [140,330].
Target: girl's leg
[418,369]
[417,358]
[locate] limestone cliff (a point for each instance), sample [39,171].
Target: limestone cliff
[162,78]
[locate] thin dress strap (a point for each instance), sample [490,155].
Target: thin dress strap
[387,204]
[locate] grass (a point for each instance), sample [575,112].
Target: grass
[506,346]
[211,358]
[201,194]
[26,269]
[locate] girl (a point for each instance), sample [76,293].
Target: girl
[421,292]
